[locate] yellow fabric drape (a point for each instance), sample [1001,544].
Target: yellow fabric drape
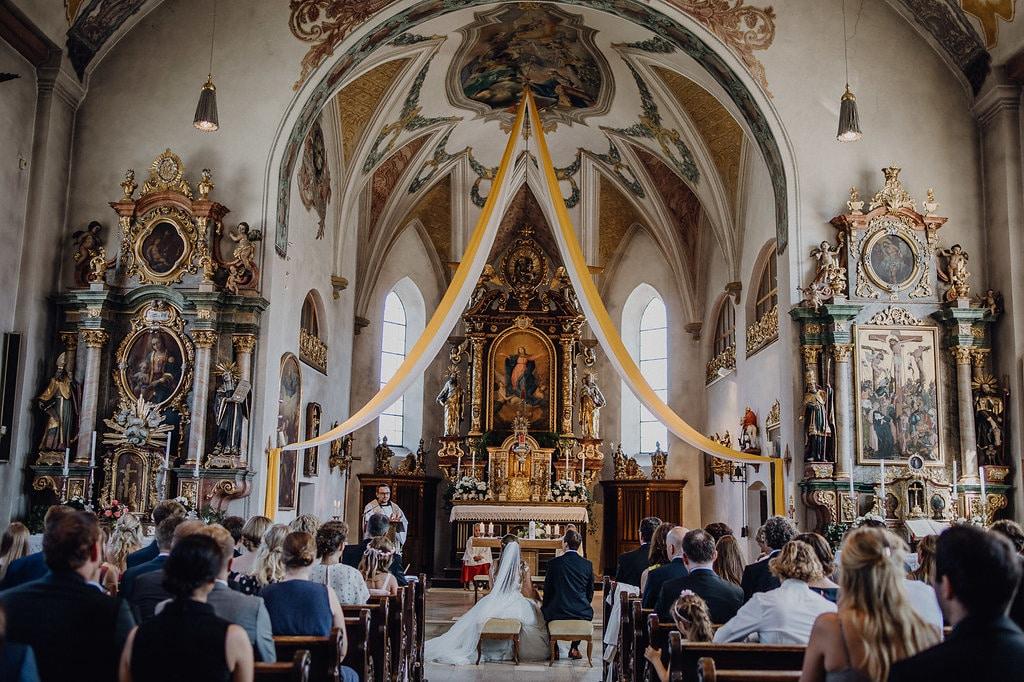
[457,296]
[273,475]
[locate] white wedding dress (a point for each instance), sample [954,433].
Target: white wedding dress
[505,600]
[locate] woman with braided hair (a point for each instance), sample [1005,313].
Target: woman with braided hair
[693,621]
[375,567]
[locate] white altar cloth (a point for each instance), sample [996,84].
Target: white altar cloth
[498,512]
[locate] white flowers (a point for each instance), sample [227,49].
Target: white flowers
[468,488]
[565,490]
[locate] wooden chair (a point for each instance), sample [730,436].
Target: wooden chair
[324,652]
[296,671]
[358,655]
[478,582]
[606,610]
[380,645]
[500,629]
[640,640]
[396,632]
[571,631]
[708,672]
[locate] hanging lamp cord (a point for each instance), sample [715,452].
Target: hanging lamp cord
[213,34]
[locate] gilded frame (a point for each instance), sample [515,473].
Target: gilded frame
[158,317]
[554,390]
[185,231]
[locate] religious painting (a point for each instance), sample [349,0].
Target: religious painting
[153,366]
[522,364]
[535,44]
[288,416]
[892,261]
[898,394]
[128,484]
[315,176]
[163,248]
[311,456]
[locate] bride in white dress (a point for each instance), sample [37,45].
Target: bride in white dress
[505,600]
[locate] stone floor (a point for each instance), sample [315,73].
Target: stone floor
[444,605]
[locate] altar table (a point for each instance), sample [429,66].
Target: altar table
[529,549]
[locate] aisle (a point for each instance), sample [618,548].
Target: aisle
[446,604]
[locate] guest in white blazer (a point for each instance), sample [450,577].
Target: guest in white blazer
[786,614]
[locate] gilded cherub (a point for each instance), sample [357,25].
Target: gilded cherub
[955,274]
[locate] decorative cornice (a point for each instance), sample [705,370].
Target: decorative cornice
[724,361]
[764,331]
[69,339]
[244,343]
[894,315]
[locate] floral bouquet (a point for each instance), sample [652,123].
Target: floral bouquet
[190,509]
[78,502]
[973,521]
[541,531]
[565,490]
[468,488]
[115,511]
[861,520]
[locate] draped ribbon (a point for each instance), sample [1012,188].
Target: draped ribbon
[461,289]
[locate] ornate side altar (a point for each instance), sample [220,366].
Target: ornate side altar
[154,402]
[888,329]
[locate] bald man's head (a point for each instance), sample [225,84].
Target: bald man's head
[674,541]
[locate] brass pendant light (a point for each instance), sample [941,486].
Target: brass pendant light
[206,110]
[849,121]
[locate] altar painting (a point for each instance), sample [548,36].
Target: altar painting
[288,411]
[898,397]
[153,366]
[522,368]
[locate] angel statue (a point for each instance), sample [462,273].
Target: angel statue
[829,277]
[98,266]
[450,398]
[955,274]
[591,402]
[87,241]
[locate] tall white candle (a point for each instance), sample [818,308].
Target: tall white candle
[583,465]
[67,460]
[92,450]
[984,497]
[458,468]
[490,529]
[954,481]
[472,463]
[853,492]
[196,471]
[567,464]
[883,489]
[167,451]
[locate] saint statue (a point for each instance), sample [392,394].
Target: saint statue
[231,408]
[59,402]
[988,424]
[591,402]
[956,274]
[451,398]
[749,436]
[816,423]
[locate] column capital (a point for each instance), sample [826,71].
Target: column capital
[204,338]
[962,354]
[810,353]
[69,339]
[1004,97]
[244,343]
[979,356]
[841,351]
[95,338]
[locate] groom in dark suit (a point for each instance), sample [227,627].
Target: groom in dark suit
[569,587]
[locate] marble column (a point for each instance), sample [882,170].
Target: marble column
[244,346]
[95,339]
[965,407]
[204,340]
[476,406]
[568,382]
[844,409]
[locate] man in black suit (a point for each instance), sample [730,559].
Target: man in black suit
[75,629]
[778,530]
[723,598]
[33,566]
[976,573]
[675,568]
[152,550]
[376,526]
[164,540]
[632,564]
[569,587]
[148,588]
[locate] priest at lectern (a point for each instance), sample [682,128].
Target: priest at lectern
[384,505]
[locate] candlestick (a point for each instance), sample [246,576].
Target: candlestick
[558,531]
[883,489]
[547,529]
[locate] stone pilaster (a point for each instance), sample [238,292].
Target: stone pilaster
[204,340]
[94,339]
[965,407]
[844,408]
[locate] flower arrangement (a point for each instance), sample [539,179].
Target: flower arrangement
[78,502]
[190,509]
[565,490]
[867,518]
[115,511]
[540,531]
[468,488]
[973,521]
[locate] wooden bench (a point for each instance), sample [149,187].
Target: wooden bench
[684,657]
[478,581]
[707,671]
[357,656]
[295,671]
[380,645]
[571,631]
[419,638]
[640,640]
[396,633]
[324,652]
[624,644]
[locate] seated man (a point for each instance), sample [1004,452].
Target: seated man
[31,567]
[632,564]
[778,530]
[723,598]
[376,526]
[976,574]
[150,551]
[76,631]
[569,587]
[164,538]
[149,590]
[675,568]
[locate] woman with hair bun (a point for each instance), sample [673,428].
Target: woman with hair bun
[186,640]
[786,614]
[693,621]
[875,625]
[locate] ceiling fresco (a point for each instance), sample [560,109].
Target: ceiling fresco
[616,217]
[358,101]
[386,177]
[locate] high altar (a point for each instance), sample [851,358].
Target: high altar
[519,456]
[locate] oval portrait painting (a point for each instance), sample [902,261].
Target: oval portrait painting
[163,248]
[153,366]
[892,261]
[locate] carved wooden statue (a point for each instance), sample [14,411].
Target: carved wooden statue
[87,242]
[817,429]
[591,402]
[955,273]
[988,421]
[450,398]
[232,407]
[59,403]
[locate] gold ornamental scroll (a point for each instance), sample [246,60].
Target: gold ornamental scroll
[444,319]
[608,336]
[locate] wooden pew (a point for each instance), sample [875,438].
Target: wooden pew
[707,672]
[624,659]
[380,645]
[420,623]
[606,612]
[684,657]
[640,641]
[396,633]
[358,655]
[295,671]
[324,652]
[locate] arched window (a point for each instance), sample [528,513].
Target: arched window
[391,422]
[767,288]
[312,346]
[763,310]
[653,363]
[645,334]
[725,327]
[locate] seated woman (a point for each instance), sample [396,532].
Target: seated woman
[346,581]
[252,538]
[875,625]
[475,560]
[267,567]
[786,614]
[693,621]
[186,640]
[823,585]
[658,553]
[375,568]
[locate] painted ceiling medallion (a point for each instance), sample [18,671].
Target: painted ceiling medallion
[536,44]
[987,11]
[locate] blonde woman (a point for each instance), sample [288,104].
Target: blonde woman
[875,625]
[925,570]
[693,621]
[269,567]
[109,575]
[13,546]
[125,538]
[305,523]
[252,537]
[786,614]
[729,562]
[375,567]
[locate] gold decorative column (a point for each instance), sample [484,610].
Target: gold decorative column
[94,339]
[244,345]
[477,368]
[844,409]
[965,404]
[568,382]
[204,340]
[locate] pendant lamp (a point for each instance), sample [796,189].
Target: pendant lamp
[849,121]
[206,110]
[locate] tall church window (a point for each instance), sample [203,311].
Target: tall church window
[391,422]
[725,327]
[767,288]
[765,312]
[312,346]
[645,334]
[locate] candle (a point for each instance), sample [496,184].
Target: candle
[67,460]
[954,481]
[583,465]
[490,529]
[533,529]
[547,529]
[196,470]
[472,463]
[458,468]
[883,489]
[853,492]
[167,451]
[984,497]
[558,530]
[92,450]
[567,463]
